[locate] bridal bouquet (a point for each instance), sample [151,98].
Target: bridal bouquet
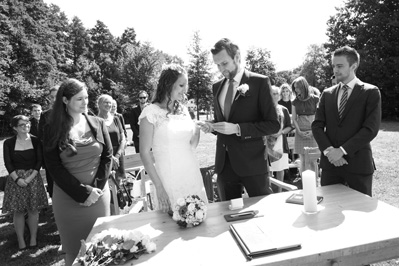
[189,211]
[114,247]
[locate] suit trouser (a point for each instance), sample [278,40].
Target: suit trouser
[137,145]
[230,185]
[360,182]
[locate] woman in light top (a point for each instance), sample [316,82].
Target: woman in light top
[167,129]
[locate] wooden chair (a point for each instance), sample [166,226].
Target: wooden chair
[133,163]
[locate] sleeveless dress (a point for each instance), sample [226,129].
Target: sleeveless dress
[306,111]
[175,161]
[74,221]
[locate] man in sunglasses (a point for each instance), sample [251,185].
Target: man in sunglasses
[143,97]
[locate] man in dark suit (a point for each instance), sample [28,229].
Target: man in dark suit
[347,120]
[244,112]
[44,119]
[134,119]
[36,111]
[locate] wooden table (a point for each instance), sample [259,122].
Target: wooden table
[350,229]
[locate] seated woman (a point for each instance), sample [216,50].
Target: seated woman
[24,190]
[78,155]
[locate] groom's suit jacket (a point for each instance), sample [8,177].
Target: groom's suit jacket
[358,126]
[256,115]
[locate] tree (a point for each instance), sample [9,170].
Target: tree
[372,28]
[314,68]
[258,61]
[199,77]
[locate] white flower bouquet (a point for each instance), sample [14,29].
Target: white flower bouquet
[243,90]
[189,211]
[114,247]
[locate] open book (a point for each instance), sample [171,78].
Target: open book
[256,238]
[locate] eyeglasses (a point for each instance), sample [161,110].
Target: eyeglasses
[142,97]
[24,125]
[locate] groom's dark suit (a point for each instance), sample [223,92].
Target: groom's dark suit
[255,113]
[353,132]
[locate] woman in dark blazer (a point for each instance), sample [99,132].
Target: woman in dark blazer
[24,190]
[78,155]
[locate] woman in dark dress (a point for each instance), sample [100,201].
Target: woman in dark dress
[24,190]
[116,134]
[78,155]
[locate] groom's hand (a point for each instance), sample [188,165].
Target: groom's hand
[205,126]
[226,128]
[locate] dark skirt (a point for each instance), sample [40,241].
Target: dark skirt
[21,199]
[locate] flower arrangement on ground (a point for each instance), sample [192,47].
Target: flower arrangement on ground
[114,247]
[189,211]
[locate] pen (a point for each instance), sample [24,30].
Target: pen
[241,214]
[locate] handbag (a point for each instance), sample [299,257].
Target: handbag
[122,194]
[3,182]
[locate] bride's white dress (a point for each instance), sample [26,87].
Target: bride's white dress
[175,161]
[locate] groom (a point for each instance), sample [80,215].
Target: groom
[244,112]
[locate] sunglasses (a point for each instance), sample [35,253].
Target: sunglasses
[24,125]
[142,97]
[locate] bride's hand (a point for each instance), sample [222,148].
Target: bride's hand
[163,199]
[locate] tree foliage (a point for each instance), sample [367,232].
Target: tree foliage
[372,28]
[199,75]
[258,60]
[40,47]
[315,68]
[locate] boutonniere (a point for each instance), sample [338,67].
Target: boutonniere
[243,90]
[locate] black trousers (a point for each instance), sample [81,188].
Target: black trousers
[231,185]
[361,183]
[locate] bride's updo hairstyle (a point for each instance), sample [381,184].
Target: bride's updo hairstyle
[169,75]
[60,121]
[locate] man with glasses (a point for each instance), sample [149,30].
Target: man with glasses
[143,96]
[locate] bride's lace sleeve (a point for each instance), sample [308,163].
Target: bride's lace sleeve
[150,113]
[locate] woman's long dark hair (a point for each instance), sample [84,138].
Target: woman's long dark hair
[61,122]
[169,75]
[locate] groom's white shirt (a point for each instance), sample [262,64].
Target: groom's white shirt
[222,94]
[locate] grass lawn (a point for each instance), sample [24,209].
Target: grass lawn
[385,188]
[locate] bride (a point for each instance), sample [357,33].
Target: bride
[166,128]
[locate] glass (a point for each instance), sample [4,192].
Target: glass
[142,97]
[24,125]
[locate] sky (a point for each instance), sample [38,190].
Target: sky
[286,28]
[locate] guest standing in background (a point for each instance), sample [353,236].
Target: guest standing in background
[24,190]
[134,120]
[78,154]
[36,111]
[347,120]
[115,113]
[285,121]
[286,97]
[303,113]
[44,118]
[116,135]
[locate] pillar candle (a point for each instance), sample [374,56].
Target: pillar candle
[309,191]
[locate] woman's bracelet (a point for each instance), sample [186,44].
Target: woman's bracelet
[16,180]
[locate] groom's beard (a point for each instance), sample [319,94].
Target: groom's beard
[231,74]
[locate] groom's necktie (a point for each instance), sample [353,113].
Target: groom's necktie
[228,99]
[344,99]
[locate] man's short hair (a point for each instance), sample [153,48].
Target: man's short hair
[350,53]
[225,44]
[142,92]
[35,105]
